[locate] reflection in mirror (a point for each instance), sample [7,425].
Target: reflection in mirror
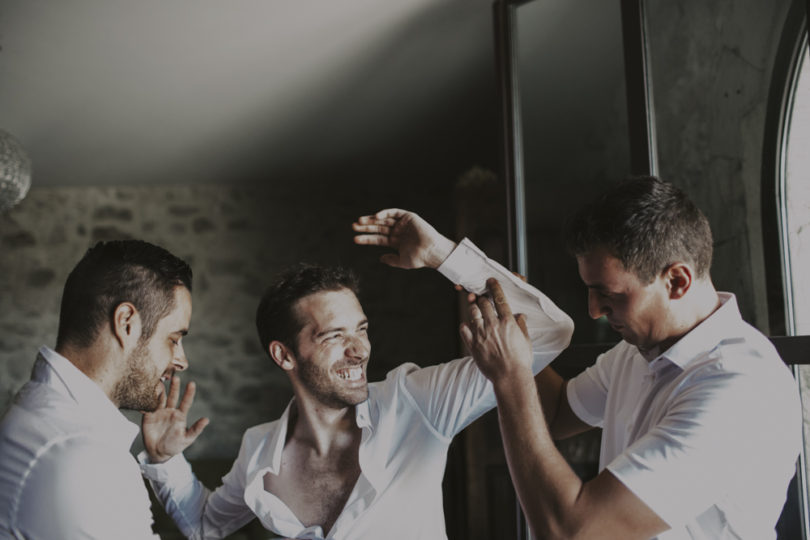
[573,113]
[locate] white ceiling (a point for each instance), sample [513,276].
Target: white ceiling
[177,91]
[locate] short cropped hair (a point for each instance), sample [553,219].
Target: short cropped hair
[276,318]
[647,224]
[111,273]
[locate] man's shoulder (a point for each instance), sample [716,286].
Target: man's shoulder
[402,370]
[38,458]
[753,359]
[619,355]
[39,415]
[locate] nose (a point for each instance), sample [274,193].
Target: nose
[357,347]
[596,308]
[180,362]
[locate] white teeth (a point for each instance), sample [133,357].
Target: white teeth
[352,374]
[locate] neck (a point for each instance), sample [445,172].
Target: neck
[95,362]
[322,427]
[695,307]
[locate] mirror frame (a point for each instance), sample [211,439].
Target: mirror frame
[641,120]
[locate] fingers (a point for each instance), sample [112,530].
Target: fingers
[188,397]
[162,397]
[476,316]
[194,431]
[487,311]
[174,392]
[498,296]
[370,221]
[372,240]
[391,213]
[520,318]
[466,336]
[375,228]
[372,225]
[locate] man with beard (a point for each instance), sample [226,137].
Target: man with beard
[348,459]
[65,466]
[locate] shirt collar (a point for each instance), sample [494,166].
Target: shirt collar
[362,411]
[721,325]
[85,392]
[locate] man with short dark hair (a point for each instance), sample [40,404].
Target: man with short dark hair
[701,419]
[65,466]
[350,459]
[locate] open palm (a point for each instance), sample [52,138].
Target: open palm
[165,430]
[417,243]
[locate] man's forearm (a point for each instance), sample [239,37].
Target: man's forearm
[550,387]
[546,485]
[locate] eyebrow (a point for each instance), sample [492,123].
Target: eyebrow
[339,328]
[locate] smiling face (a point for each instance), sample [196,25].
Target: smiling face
[156,359]
[639,312]
[332,348]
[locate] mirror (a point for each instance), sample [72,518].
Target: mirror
[573,113]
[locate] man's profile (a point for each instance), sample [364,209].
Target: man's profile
[701,419]
[65,466]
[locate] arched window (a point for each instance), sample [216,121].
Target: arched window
[786,207]
[794,191]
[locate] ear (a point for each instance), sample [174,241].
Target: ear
[126,325]
[678,277]
[281,355]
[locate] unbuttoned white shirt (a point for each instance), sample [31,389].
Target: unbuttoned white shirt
[65,466]
[706,434]
[407,423]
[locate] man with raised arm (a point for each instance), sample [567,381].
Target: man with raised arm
[350,459]
[65,466]
[701,419]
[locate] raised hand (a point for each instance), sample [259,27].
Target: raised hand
[165,432]
[417,243]
[498,341]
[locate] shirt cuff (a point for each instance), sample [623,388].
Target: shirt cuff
[176,468]
[469,267]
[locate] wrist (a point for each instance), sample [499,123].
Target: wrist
[439,252]
[516,380]
[157,459]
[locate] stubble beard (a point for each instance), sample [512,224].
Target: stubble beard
[136,390]
[318,382]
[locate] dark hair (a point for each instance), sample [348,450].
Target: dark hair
[276,318]
[645,223]
[111,273]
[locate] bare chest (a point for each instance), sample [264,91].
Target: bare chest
[315,488]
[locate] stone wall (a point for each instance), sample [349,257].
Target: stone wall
[234,239]
[712,64]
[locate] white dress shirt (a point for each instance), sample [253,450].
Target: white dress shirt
[407,425]
[706,434]
[65,466]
